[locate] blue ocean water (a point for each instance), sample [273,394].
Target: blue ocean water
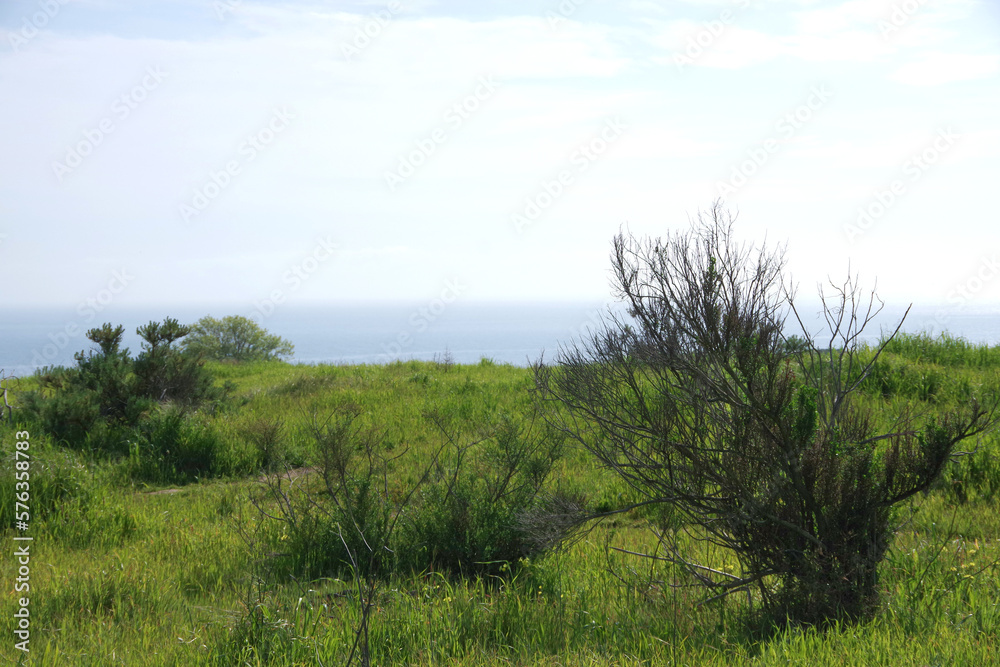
[511,333]
[340,334]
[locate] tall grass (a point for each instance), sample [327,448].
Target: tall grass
[120,575]
[943,350]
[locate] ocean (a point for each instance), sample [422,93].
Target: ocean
[507,333]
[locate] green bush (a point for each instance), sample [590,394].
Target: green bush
[468,517]
[165,374]
[693,399]
[171,448]
[460,530]
[108,386]
[338,523]
[113,405]
[347,536]
[99,391]
[464,516]
[267,437]
[68,416]
[235,338]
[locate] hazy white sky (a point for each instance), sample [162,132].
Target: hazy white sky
[237,151]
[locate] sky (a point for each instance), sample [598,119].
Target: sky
[268,153]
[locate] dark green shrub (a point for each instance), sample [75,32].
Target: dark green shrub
[469,517]
[267,437]
[335,522]
[164,373]
[68,416]
[694,401]
[172,447]
[114,405]
[89,403]
[465,515]
[107,375]
[347,537]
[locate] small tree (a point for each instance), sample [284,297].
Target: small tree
[235,338]
[107,389]
[697,399]
[105,374]
[164,373]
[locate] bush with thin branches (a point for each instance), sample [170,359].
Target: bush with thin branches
[758,442]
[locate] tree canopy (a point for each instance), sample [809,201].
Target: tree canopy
[235,338]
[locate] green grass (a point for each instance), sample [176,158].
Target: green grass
[120,575]
[943,350]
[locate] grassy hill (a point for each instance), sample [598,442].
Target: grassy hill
[156,551]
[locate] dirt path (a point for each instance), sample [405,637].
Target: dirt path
[290,475]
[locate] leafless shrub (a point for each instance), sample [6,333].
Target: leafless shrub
[697,399]
[445,361]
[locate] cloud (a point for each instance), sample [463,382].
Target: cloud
[738,38]
[738,45]
[661,142]
[383,252]
[937,68]
[356,117]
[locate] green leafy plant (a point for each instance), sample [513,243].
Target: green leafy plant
[112,404]
[472,513]
[235,338]
[695,402]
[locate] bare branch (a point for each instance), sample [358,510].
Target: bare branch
[695,400]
